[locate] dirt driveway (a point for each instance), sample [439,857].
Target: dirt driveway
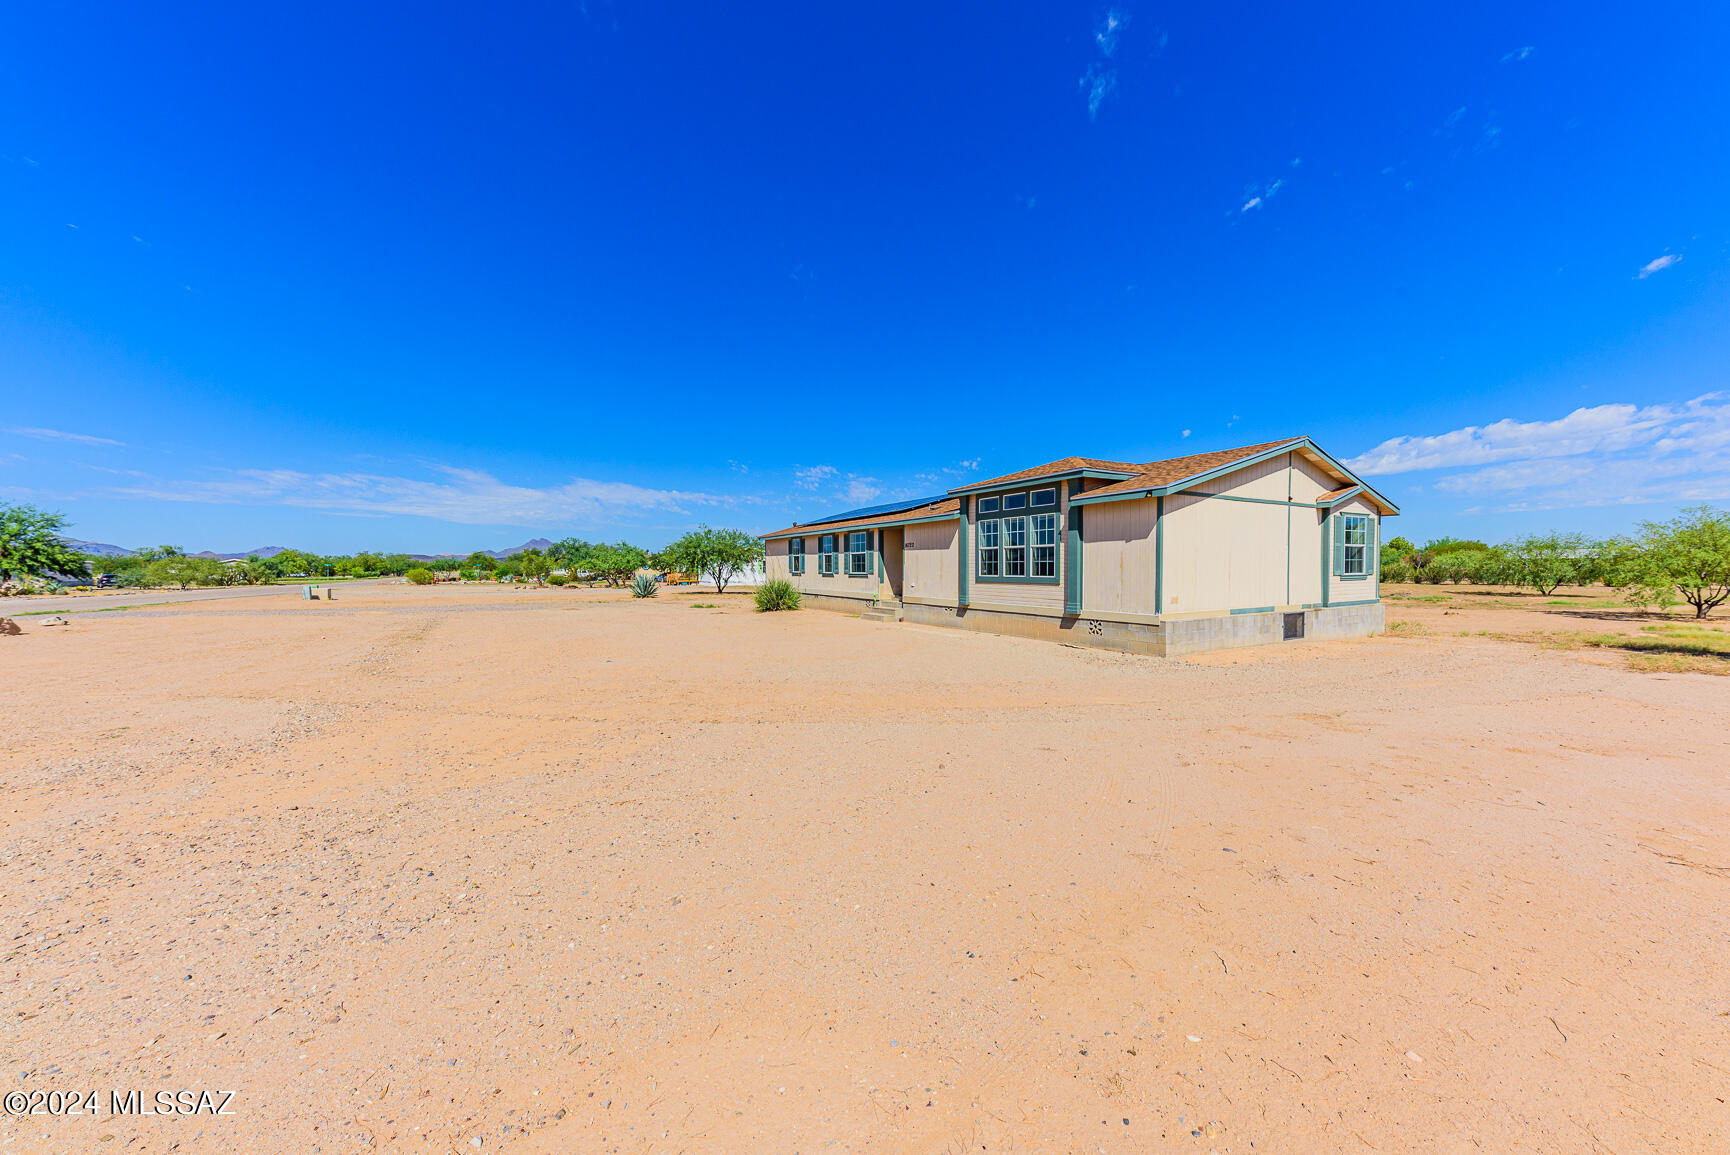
[450,869]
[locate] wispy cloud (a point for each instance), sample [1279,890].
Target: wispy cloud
[1260,196]
[1657,265]
[462,496]
[861,489]
[1601,455]
[1107,33]
[60,435]
[1100,79]
[1517,55]
[1097,82]
[814,476]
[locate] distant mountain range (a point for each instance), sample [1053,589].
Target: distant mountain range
[103,549]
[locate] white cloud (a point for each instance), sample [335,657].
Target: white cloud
[1261,195]
[1100,79]
[1601,455]
[1517,55]
[462,496]
[1656,266]
[1098,83]
[1186,433]
[59,435]
[1106,36]
[815,476]
[861,489]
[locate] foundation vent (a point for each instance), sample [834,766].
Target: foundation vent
[1294,626]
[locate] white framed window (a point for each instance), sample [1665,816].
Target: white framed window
[1019,546]
[1044,544]
[990,548]
[796,555]
[1015,546]
[827,559]
[858,545]
[1356,532]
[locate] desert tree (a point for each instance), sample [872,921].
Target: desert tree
[1684,559]
[717,554]
[1548,560]
[186,571]
[31,546]
[532,563]
[618,563]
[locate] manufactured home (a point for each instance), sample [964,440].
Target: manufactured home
[1267,543]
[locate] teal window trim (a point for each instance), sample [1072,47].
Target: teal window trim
[1159,556]
[963,555]
[1355,535]
[995,544]
[858,553]
[1072,550]
[828,555]
[796,556]
[1327,555]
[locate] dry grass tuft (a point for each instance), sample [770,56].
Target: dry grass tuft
[1407,630]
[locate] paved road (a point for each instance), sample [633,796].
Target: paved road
[84,603]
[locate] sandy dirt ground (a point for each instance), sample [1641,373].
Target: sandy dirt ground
[458,869]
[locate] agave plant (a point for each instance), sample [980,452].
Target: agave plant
[644,586]
[777,595]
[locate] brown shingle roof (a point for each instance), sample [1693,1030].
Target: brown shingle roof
[1065,465]
[1156,474]
[1335,494]
[949,505]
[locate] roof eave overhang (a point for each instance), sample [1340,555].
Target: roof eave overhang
[1023,483]
[1343,496]
[1232,467]
[822,527]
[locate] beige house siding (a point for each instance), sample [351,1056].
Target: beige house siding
[1117,557]
[1223,555]
[836,585]
[929,561]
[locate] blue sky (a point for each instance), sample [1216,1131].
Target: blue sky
[445,276]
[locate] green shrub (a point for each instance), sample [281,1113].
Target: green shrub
[644,586]
[557,579]
[420,576]
[777,595]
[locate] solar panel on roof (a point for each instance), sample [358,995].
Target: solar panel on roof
[877,510]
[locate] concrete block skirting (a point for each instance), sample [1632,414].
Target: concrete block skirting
[831,602]
[1171,638]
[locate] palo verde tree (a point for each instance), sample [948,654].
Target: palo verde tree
[532,563]
[1684,559]
[717,554]
[1545,561]
[30,545]
[616,564]
[185,571]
